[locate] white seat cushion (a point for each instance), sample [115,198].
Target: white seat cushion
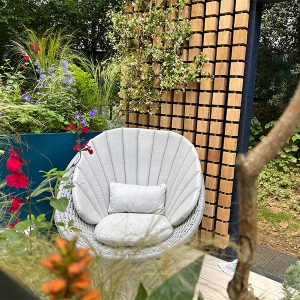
[133,229]
[133,198]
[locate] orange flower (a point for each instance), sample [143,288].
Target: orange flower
[76,268]
[70,267]
[86,260]
[52,261]
[81,284]
[82,252]
[47,263]
[54,286]
[91,295]
[60,243]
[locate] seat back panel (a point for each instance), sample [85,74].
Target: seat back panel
[143,157]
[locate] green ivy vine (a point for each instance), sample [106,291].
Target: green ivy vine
[149,44]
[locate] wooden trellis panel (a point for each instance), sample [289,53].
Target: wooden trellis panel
[208,113]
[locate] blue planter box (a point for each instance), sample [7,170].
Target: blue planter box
[44,151]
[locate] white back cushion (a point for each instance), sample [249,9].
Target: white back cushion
[140,157]
[136,198]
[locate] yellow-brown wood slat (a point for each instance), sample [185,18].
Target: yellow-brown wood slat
[208,113]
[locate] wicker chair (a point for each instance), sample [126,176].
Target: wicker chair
[135,156]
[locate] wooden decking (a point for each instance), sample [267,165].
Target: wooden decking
[213,282]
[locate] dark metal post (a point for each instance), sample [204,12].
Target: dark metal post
[247,108]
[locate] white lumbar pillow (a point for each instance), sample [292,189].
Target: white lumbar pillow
[133,229]
[136,198]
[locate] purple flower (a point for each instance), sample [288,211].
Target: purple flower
[42,71]
[26,97]
[104,112]
[37,64]
[64,79]
[93,112]
[72,80]
[65,65]
[83,121]
[77,116]
[50,70]
[68,79]
[43,77]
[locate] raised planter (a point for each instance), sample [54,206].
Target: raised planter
[45,151]
[10,289]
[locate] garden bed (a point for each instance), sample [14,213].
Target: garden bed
[279,211]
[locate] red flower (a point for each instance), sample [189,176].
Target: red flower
[77,147]
[84,129]
[17,180]
[70,127]
[32,46]
[26,58]
[15,204]
[89,149]
[37,49]
[14,162]
[83,147]
[12,225]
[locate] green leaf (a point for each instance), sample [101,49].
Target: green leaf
[68,186]
[22,226]
[39,191]
[71,223]
[75,229]
[41,218]
[180,285]
[60,224]
[60,204]
[64,179]
[142,293]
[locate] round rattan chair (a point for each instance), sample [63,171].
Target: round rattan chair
[134,156]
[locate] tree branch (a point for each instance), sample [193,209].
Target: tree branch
[248,168]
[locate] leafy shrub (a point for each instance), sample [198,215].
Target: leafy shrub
[29,118]
[278,185]
[291,282]
[290,154]
[98,87]
[11,81]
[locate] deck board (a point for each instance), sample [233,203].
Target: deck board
[213,282]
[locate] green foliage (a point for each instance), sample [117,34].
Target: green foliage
[290,154]
[277,197]
[279,53]
[28,118]
[11,81]
[179,286]
[34,225]
[256,130]
[291,282]
[98,87]
[85,83]
[87,20]
[275,183]
[149,45]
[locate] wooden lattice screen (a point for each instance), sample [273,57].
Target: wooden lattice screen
[208,113]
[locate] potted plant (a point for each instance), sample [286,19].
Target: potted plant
[50,86]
